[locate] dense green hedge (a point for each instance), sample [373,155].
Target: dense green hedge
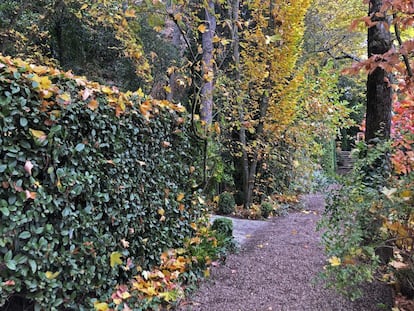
[85,170]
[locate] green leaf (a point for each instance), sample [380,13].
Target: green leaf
[11,264]
[79,147]
[24,235]
[23,122]
[33,265]
[8,256]
[3,168]
[5,211]
[20,259]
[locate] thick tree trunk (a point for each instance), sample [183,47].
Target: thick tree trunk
[379,93]
[207,88]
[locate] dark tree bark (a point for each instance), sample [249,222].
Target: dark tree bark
[207,88]
[379,93]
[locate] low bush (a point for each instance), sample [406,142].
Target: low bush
[91,179]
[223,226]
[226,203]
[266,208]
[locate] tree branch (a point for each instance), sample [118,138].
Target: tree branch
[405,58]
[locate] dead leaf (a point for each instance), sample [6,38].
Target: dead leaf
[28,167]
[398,265]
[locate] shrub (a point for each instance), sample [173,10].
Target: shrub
[90,180]
[266,208]
[368,225]
[226,203]
[223,226]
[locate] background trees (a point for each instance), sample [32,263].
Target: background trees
[238,66]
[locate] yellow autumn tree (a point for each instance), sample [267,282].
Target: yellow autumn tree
[270,45]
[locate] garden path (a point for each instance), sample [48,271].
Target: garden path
[276,268]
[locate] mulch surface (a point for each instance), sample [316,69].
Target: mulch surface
[277,269]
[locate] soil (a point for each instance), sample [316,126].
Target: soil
[277,268]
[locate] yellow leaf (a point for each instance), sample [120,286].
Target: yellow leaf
[43,82]
[167,296]
[167,88]
[140,93]
[100,306]
[130,13]
[83,7]
[39,135]
[125,295]
[217,128]
[406,194]
[51,275]
[151,291]
[170,70]
[202,28]
[107,90]
[93,104]
[161,212]
[193,225]
[115,259]
[334,261]
[64,97]
[180,197]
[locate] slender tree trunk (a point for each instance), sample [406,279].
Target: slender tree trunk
[264,104]
[207,87]
[379,93]
[242,133]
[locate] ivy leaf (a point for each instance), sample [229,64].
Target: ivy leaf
[79,147]
[115,259]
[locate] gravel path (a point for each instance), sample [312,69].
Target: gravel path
[275,270]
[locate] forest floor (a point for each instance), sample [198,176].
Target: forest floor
[277,269]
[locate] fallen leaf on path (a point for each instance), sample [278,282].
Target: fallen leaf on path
[334,261]
[398,264]
[294,232]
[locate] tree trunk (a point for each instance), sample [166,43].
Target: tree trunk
[247,194]
[379,93]
[207,88]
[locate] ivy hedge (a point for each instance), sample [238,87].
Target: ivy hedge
[91,179]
